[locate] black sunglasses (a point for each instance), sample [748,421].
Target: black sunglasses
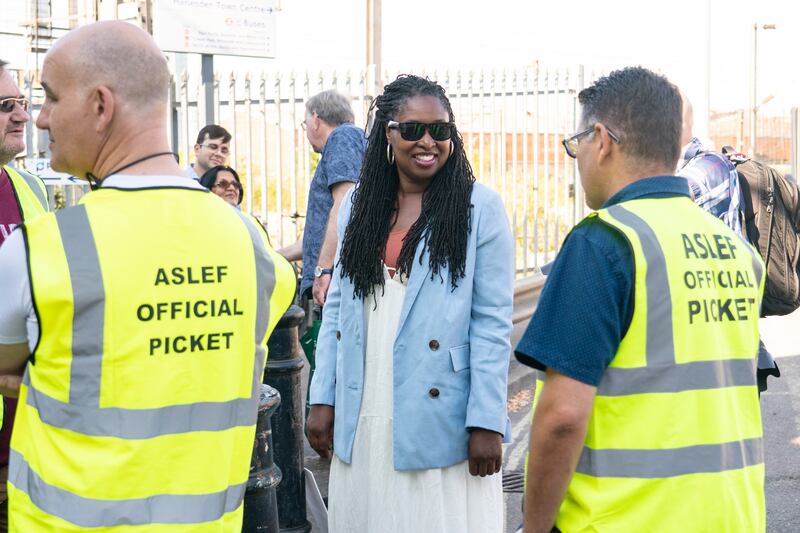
[571,144]
[7,104]
[414,131]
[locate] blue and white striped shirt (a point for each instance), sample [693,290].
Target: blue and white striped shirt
[714,184]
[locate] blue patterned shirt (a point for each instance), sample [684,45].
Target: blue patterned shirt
[714,184]
[341,161]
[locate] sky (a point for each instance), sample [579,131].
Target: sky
[668,36]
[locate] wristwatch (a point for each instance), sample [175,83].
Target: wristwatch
[319,272]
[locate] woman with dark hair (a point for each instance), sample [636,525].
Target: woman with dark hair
[224,182]
[413,352]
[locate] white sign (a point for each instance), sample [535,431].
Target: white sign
[226,27]
[42,168]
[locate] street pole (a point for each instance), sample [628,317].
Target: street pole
[708,68]
[207,75]
[374,52]
[754,89]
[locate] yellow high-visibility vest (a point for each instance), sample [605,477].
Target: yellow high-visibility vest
[674,443]
[29,191]
[31,196]
[137,411]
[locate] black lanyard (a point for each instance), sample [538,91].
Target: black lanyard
[95,183]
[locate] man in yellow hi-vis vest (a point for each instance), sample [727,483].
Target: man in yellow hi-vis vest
[22,197]
[647,331]
[138,402]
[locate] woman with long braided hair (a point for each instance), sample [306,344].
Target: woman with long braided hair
[412,357]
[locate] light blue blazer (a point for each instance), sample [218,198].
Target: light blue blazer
[451,352]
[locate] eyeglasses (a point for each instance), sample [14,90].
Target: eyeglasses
[7,104]
[221,148]
[304,123]
[224,184]
[571,144]
[414,131]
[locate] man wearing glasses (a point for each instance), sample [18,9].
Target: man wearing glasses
[331,133]
[22,197]
[647,418]
[212,149]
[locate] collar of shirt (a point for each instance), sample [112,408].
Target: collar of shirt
[192,172]
[693,148]
[125,181]
[654,187]
[337,129]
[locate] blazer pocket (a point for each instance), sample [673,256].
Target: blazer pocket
[459,356]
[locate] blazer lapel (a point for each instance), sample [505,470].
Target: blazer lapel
[419,273]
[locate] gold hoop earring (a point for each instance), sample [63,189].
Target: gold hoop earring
[389,154]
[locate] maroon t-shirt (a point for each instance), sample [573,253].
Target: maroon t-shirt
[10,218]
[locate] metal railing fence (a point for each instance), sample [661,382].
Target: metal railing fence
[773,140]
[512,121]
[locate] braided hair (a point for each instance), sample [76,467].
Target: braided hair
[444,221]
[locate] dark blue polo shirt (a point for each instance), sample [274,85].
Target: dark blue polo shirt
[586,304]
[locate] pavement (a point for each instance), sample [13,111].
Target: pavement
[780,412]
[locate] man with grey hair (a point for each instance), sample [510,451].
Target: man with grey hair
[142,340]
[22,197]
[330,131]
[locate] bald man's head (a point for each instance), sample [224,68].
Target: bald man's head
[106,93]
[120,56]
[688,120]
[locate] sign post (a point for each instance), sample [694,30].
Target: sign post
[207,74]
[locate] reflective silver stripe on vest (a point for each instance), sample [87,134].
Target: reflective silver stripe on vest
[660,344]
[35,185]
[141,423]
[88,297]
[650,464]
[265,278]
[697,375]
[91,512]
[83,413]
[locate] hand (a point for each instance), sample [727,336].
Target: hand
[9,385]
[485,452]
[320,429]
[320,289]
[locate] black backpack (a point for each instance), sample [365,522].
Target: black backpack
[771,222]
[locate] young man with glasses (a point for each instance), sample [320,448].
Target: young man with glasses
[212,149]
[22,197]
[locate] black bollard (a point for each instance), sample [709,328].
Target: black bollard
[284,365]
[260,499]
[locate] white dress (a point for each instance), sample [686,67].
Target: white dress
[369,495]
